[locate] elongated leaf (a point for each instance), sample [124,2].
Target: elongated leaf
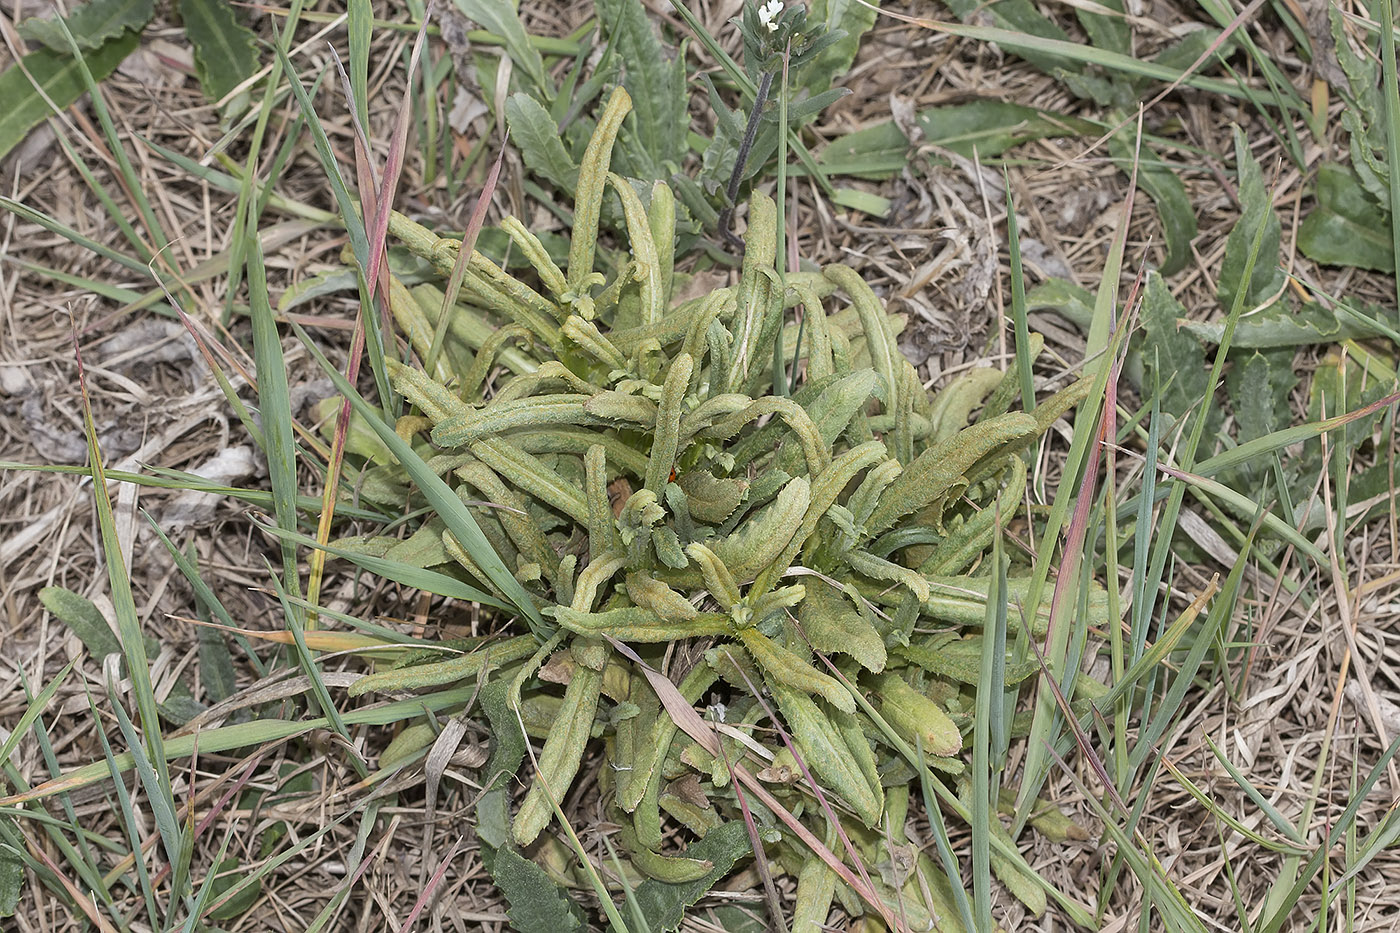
[989,126]
[11,882]
[537,135]
[1257,211]
[225,51]
[1169,195]
[78,613]
[654,79]
[1173,361]
[429,581]
[91,24]
[443,500]
[59,76]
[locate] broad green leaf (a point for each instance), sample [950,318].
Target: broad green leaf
[655,80]
[1346,227]
[11,882]
[664,904]
[1259,387]
[1312,323]
[500,18]
[1172,360]
[229,872]
[1072,302]
[1106,31]
[60,78]
[537,904]
[537,135]
[91,24]
[1257,208]
[225,51]
[86,620]
[852,17]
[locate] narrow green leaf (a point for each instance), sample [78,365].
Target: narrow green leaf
[440,496]
[274,408]
[429,581]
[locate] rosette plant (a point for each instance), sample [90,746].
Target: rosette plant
[800,549]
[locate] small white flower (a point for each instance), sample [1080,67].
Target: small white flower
[769,12]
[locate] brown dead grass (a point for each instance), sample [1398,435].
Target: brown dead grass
[156,405]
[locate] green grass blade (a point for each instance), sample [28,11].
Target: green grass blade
[129,820]
[128,621]
[440,496]
[987,717]
[274,409]
[1018,304]
[242,735]
[429,581]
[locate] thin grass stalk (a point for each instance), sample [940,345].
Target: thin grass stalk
[1018,303]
